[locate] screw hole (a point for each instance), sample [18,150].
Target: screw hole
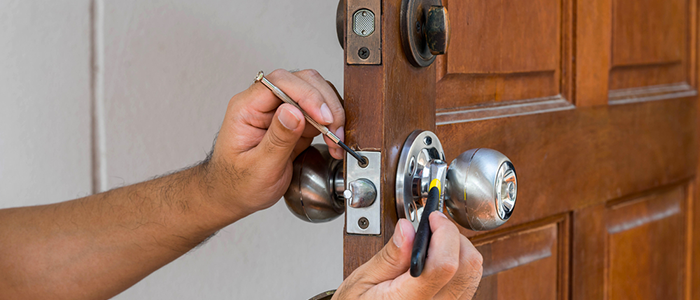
[363,165]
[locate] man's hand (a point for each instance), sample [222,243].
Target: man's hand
[453,267]
[251,165]
[97,246]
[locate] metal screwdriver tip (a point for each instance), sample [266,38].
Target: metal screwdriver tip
[323,129]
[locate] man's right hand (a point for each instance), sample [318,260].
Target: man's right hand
[453,267]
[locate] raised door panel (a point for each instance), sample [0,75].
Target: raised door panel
[650,50]
[647,247]
[634,248]
[526,263]
[502,52]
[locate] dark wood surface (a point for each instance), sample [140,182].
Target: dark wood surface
[595,102]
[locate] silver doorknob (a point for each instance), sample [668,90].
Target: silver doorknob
[480,188]
[315,193]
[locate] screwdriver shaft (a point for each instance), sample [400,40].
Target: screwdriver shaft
[323,129]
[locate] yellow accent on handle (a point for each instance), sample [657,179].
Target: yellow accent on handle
[436,183]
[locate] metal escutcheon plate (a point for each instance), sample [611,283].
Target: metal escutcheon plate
[417,151]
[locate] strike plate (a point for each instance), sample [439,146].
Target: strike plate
[356,217]
[363,47]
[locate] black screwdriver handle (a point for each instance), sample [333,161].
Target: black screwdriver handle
[423,234]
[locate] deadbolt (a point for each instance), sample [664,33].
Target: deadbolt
[425,30]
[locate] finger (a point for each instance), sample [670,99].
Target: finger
[329,94]
[337,152]
[393,260]
[309,98]
[332,98]
[281,138]
[465,282]
[441,263]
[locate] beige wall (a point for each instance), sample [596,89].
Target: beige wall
[164,72]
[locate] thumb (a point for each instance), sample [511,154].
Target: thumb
[394,259]
[281,137]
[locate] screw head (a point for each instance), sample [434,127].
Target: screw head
[363,223]
[428,141]
[363,53]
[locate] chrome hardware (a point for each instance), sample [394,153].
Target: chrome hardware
[315,193]
[482,186]
[365,218]
[479,187]
[363,22]
[360,193]
[413,174]
[425,30]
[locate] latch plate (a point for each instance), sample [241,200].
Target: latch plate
[359,49]
[356,217]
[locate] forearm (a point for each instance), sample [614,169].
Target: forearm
[97,246]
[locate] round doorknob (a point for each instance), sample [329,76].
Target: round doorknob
[482,187]
[315,192]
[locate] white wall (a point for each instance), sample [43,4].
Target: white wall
[165,71]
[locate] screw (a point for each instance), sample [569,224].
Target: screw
[428,140]
[363,223]
[363,53]
[418,27]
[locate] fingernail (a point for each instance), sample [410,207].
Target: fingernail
[326,113]
[398,236]
[288,119]
[340,133]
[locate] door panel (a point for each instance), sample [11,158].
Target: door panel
[534,256]
[647,246]
[649,43]
[500,51]
[634,248]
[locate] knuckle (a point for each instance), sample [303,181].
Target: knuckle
[446,267]
[388,257]
[310,73]
[476,261]
[275,142]
[311,96]
[277,72]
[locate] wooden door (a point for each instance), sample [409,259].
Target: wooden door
[594,102]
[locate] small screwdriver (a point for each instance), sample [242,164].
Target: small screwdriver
[323,129]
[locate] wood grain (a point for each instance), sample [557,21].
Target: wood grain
[595,102]
[592,52]
[633,248]
[567,160]
[384,104]
[647,246]
[534,255]
[504,36]
[648,31]
[505,51]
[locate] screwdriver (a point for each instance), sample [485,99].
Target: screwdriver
[323,129]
